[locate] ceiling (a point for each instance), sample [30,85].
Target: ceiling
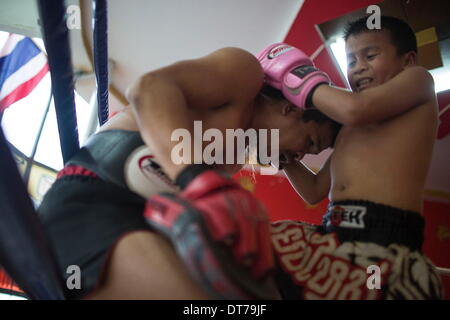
[144,35]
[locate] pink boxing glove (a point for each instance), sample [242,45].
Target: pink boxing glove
[290,70]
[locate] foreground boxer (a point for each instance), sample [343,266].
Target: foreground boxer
[373,230]
[119,200]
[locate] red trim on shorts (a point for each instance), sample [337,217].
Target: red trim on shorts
[75,171]
[8,284]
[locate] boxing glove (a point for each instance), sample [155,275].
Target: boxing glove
[290,70]
[220,231]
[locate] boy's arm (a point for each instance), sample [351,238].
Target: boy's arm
[410,88]
[173,97]
[312,187]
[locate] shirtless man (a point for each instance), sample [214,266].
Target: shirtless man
[97,213]
[374,178]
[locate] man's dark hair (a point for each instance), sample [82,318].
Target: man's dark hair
[402,36]
[319,117]
[308,115]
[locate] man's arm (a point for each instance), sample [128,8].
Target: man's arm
[312,187]
[410,88]
[173,97]
[220,231]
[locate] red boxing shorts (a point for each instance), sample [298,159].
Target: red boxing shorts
[85,215]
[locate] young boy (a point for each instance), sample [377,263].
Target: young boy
[369,244]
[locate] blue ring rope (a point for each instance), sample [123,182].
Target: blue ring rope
[101,57]
[56,38]
[25,252]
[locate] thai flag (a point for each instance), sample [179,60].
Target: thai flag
[22,67]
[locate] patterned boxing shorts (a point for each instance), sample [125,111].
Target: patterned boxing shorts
[362,251]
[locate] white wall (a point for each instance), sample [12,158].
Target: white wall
[147,34]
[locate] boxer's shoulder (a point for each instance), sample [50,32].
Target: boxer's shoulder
[122,158]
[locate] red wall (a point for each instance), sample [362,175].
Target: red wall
[437,236]
[444,127]
[280,199]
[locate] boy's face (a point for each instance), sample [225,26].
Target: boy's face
[372,60]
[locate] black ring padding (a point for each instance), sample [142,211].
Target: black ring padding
[25,252]
[56,38]
[101,57]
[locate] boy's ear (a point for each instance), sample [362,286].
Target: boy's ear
[410,59]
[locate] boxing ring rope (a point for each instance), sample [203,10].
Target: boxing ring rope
[25,252]
[55,36]
[101,57]
[84,35]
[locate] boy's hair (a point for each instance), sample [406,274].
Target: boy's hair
[402,36]
[308,115]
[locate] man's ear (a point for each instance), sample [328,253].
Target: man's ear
[410,59]
[287,108]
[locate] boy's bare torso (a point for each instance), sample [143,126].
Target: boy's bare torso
[387,162]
